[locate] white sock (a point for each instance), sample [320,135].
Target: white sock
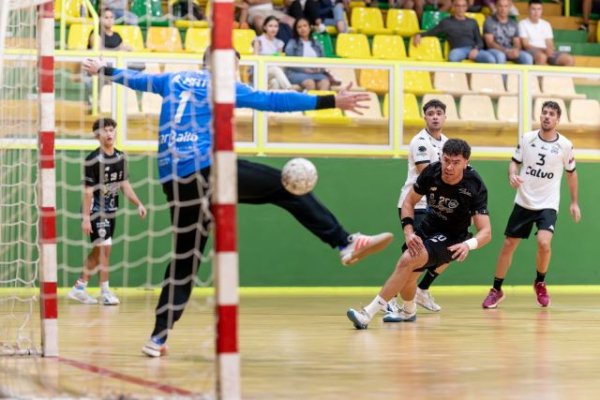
[376,305]
[104,286]
[410,307]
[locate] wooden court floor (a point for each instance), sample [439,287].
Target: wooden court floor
[298,344]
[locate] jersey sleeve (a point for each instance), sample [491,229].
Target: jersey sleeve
[420,151]
[480,199]
[155,83]
[569,159]
[423,181]
[518,153]
[91,172]
[247,97]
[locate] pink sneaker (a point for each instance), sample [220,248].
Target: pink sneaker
[543,298]
[493,298]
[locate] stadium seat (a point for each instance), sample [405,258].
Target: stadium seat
[149,12]
[242,40]
[79,35]
[479,18]
[402,22]
[326,42]
[560,86]
[374,80]
[508,109]
[368,21]
[452,82]
[448,100]
[428,50]
[537,110]
[131,35]
[151,103]
[418,82]
[72,10]
[411,114]
[389,47]
[372,113]
[512,85]
[197,40]
[585,112]
[191,23]
[432,18]
[329,115]
[163,39]
[477,108]
[352,45]
[491,84]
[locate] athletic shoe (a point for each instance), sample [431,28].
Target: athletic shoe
[155,347]
[109,299]
[360,246]
[400,316]
[426,300]
[81,295]
[493,298]
[392,306]
[360,319]
[543,298]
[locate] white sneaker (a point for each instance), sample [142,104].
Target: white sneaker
[400,316]
[81,295]
[360,246]
[109,299]
[392,306]
[153,348]
[426,300]
[360,319]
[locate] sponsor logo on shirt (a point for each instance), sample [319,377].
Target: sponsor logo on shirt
[538,173]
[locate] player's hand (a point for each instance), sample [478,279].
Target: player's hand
[86,226]
[515,181]
[92,65]
[575,212]
[417,39]
[351,101]
[460,251]
[414,244]
[142,211]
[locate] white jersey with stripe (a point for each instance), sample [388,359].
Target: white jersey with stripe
[542,164]
[423,149]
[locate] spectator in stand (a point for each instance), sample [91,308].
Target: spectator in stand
[121,12]
[588,7]
[303,45]
[308,9]
[332,13]
[537,38]
[501,35]
[109,39]
[259,10]
[268,45]
[463,35]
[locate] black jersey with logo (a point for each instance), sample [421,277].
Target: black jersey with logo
[105,173]
[450,207]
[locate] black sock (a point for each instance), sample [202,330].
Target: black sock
[498,283]
[540,277]
[428,279]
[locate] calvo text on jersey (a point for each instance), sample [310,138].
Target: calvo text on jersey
[538,172]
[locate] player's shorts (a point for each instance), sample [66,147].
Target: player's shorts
[521,221]
[437,249]
[102,231]
[420,214]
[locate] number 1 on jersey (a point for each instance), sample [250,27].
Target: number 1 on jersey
[184,97]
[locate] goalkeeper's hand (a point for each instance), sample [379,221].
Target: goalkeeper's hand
[93,65]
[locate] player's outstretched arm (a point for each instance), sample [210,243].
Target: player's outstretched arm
[351,101]
[133,79]
[572,182]
[460,251]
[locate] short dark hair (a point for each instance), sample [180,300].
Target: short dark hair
[552,105]
[101,123]
[267,20]
[434,103]
[295,28]
[207,54]
[456,147]
[535,2]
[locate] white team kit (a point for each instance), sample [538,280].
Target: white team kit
[423,149]
[542,164]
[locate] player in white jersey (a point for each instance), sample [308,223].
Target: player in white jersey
[535,171]
[425,148]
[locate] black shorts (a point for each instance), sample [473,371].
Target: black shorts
[102,230]
[420,214]
[521,221]
[437,249]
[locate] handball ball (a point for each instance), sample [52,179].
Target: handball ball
[299,176]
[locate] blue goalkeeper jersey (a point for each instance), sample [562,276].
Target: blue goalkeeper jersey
[184,136]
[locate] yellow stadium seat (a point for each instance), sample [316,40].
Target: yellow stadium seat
[368,21]
[476,108]
[372,113]
[428,50]
[537,110]
[585,112]
[352,45]
[560,86]
[448,100]
[332,30]
[72,12]
[242,40]
[79,36]
[163,39]
[508,109]
[131,35]
[452,82]
[403,22]
[329,115]
[418,82]
[374,80]
[389,47]
[411,114]
[512,85]
[491,84]
[479,18]
[197,40]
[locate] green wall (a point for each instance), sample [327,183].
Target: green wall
[277,251]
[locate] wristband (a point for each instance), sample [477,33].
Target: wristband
[471,243]
[407,221]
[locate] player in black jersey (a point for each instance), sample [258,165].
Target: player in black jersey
[105,173]
[455,195]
